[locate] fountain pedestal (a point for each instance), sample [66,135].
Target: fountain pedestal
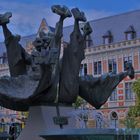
[41,119]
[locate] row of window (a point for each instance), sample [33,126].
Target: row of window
[112,66]
[129,95]
[129,34]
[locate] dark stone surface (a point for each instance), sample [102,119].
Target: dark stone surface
[40,119]
[42,77]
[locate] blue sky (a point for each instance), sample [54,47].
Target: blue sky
[27,14]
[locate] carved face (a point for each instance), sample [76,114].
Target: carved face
[47,37]
[38,43]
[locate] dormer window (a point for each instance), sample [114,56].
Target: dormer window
[3,59]
[130,33]
[107,38]
[89,42]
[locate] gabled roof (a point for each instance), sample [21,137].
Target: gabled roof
[117,24]
[130,29]
[107,34]
[45,26]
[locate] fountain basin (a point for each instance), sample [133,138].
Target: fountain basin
[86,134]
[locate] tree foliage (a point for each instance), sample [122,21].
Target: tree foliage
[78,103]
[135,110]
[131,122]
[136,89]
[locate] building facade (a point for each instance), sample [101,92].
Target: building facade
[117,43]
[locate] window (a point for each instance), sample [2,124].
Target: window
[107,40]
[5,59]
[130,36]
[113,96]
[126,60]
[83,70]
[1,60]
[128,91]
[89,42]
[1,108]
[107,37]
[130,33]
[112,66]
[97,68]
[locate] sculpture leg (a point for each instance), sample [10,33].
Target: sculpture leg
[96,91]
[77,42]
[4,20]
[63,12]
[6,32]
[16,54]
[72,57]
[51,72]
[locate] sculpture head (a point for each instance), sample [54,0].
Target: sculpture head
[46,37]
[44,40]
[38,43]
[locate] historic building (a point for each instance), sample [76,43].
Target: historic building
[115,41]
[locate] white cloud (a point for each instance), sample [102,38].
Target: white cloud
[27,17]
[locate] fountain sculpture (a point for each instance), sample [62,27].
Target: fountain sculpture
[42,78]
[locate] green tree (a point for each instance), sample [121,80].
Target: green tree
[130,122]
[134,111]
[136,89]
[78,103]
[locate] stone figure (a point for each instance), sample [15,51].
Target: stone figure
[42,77]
